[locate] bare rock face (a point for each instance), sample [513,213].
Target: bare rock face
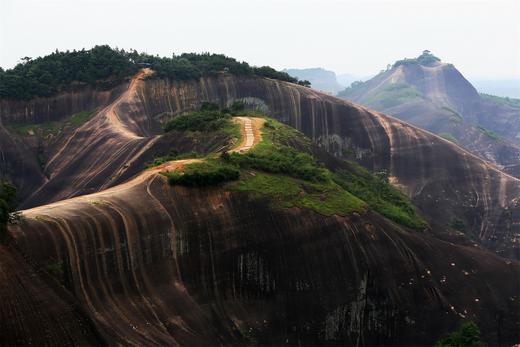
[154,265]
[445,182]
[157,265]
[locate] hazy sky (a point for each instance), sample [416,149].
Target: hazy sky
[482,38]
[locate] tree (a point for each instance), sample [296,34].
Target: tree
[7,205]
[468,335]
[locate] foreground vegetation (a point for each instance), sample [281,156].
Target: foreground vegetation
[283,169]
[468,335]
[7,205]
[103,67]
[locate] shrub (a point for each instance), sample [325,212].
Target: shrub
[204,120]
[203,174]
[7,204]
[380,195]
[280,159]
[468,335]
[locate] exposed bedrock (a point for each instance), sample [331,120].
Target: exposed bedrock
[156,265]
[445,182]
[442,179]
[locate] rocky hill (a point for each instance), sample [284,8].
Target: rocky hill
[246,262]
[321,79]
[435,96]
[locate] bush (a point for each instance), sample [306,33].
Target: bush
[380,195]
[280,159]
[468,335]
[204,121]
[7,204]
[203,174]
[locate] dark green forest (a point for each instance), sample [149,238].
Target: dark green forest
[104,67]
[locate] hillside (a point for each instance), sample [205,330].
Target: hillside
[321,79]
[143,205]
[435,96]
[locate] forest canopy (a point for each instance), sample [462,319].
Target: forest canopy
[104,67]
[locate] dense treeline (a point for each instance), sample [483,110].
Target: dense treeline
[46,76]
[104,67]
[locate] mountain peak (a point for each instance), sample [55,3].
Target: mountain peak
[425,59]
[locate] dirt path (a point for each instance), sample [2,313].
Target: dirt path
[110,111]
[251,135]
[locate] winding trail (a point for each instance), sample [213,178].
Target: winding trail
[251,136]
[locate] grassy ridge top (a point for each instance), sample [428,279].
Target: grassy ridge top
[283,169]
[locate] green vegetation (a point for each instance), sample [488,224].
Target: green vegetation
[7,205]
[503,101]
[80,118]
[282,169]
[100,66]
[393,95]
[379,194]
[203,121]
[55,269]
[208,119]
[325,198]
[164,159]
[455,116]
[103,67]
[489,133]
[449,137]
[49,127]
[207,173]
[426,59]
[354,88]
[457,224]
[468,335]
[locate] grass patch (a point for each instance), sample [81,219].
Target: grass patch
[380,195]
[325,198]
[274,155]
[207,173]
[393,95]
[49,127]
[80,118]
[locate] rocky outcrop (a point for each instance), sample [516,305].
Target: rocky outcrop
[36,311]
[40,110]
[438,98]
[156,265]
[445,182]
[153,270]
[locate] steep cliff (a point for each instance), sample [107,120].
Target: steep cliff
[445,182]
[157,265]
[153,264]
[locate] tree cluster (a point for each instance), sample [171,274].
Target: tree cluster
[104,67]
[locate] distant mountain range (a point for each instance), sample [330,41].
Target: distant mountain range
[500,87]
[435,96]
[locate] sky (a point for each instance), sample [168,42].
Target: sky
[482,38]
